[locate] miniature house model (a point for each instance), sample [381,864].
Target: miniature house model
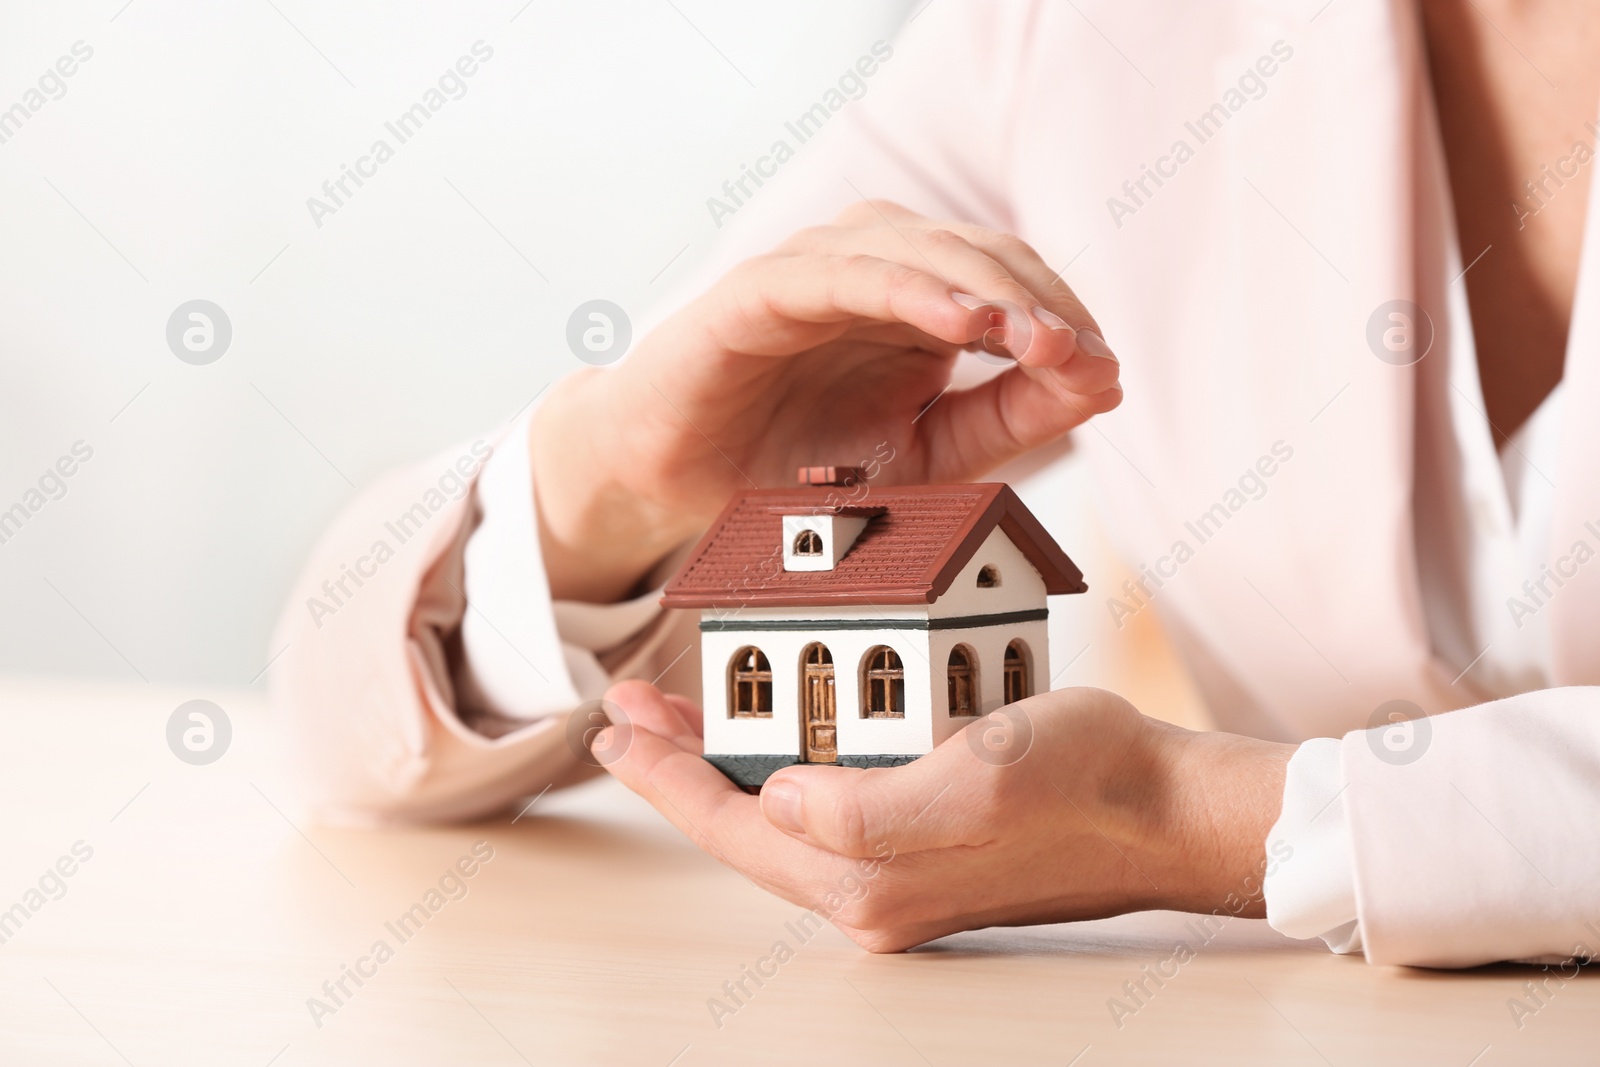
[864,633]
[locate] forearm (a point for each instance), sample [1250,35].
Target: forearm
[364,690]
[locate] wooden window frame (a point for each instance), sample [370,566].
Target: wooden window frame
[888,679]
[963,676]
[756,679]
[1017,681]
[807,537]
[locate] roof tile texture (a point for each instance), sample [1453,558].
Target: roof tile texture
[907,555]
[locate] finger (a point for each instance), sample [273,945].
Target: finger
[971,431]
[1094,366]
[709,809]
[781,304]
[1019,257]
[870,211]
[1055,306]
[653,759]
[661,762]
[1029,268]
[693,716]
[985,283]
[897,337]
[647,708]
[691,794]
[868,813]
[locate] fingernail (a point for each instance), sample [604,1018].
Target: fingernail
[1050,318]
[1092,344]
[780,803]
[968,301]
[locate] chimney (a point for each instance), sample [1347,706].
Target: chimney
[841,476]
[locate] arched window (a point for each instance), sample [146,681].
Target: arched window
[988,577]
[749,685]
[1018,683]
[883,684]
[808,543]
[963,676]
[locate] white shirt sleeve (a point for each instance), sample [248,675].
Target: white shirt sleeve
[1470,557]
[1312,892]
[1463,852]
[526,655]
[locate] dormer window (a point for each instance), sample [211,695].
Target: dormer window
[988,577]
[817,536]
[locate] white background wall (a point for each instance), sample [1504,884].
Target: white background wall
[177,166]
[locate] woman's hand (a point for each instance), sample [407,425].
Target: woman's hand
[1068,805]
[821,352]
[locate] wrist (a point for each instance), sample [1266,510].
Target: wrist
[598,536]
[1226,793]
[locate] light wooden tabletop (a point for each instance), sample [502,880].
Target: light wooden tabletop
[208,916]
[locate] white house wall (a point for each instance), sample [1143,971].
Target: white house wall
[780,735]
[989,644]
[1020,589]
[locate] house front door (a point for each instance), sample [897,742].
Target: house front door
[817,713]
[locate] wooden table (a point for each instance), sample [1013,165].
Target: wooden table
[209,914]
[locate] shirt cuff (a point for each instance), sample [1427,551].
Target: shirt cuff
[1311,891]
[526,655]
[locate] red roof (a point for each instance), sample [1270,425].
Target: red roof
[909,552]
